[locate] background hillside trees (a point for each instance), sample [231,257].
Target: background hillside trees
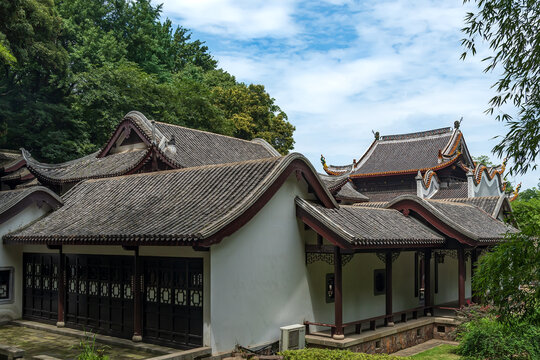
[70,70]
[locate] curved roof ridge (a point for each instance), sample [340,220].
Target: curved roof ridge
[266,144]
[256,193]
[23,193]
[27,156]
[411,171]
[192,206]
[433,210]
[418,134]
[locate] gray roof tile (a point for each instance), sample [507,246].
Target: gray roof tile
[175,206]
[372,226]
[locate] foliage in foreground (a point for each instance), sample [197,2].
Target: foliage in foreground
[489,338]
[89,350]
[509,276]
[510,29]
[327,354]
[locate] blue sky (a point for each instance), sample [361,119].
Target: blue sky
[341,69]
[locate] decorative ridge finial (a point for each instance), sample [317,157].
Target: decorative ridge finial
[323,161]
[515,193]
[457,123]
[376,134]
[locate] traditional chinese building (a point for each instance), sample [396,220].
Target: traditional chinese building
[190,239]
[433,164]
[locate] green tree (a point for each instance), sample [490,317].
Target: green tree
[483,160]
[82,64]
[510,28]
[509,276]
[32,111]
[254,114]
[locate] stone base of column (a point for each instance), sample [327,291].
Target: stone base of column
[390,323]
[338,336]
[60,324]
[136,338]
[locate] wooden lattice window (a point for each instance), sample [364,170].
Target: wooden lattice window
[6,284]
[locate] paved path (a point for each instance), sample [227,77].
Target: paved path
[430,344]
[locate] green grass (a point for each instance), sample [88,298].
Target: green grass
[441,352]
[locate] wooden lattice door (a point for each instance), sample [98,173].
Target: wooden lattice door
[40,300]
[100,294]
[173,301]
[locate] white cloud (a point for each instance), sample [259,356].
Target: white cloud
[243,19]
[397,71]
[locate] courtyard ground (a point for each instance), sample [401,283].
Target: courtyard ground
[38,342]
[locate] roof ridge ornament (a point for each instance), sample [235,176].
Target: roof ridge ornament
[376,134]
[457,123]
[516,192]
[323,161]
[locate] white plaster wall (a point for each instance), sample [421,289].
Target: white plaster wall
[11,256]
[359,301]
[448,281]
[259,276]
[488,187]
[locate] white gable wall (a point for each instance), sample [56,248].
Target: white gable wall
[259,277]
[11,256]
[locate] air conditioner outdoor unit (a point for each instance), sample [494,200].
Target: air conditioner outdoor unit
[293,337]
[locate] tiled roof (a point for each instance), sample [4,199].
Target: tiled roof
[385,196]
[334,183]
[10,198]
[454,190]
[193,148]
[8,158]
[404,152]
[486,203]
[196,148]
[473,219]
[168,207]
[374,204]
[87,167]
[349,193]
[467,219]
[342,188]
[366,226]
[407,154]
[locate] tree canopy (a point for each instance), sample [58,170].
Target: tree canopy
[509,276]
[72,69]
[510,28]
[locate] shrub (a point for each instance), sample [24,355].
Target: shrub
[488,338]
[327,354]
[89,350]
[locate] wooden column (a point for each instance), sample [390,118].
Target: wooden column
[137,309]
[388,321]
[474,260]
[61,288]
[461,276]
[338,300]
[427,282]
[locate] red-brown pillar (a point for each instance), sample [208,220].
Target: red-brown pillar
[338,300]
[61,288]
[388,321]
[137,310]
[461,276]
[427,282]
[474,260]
